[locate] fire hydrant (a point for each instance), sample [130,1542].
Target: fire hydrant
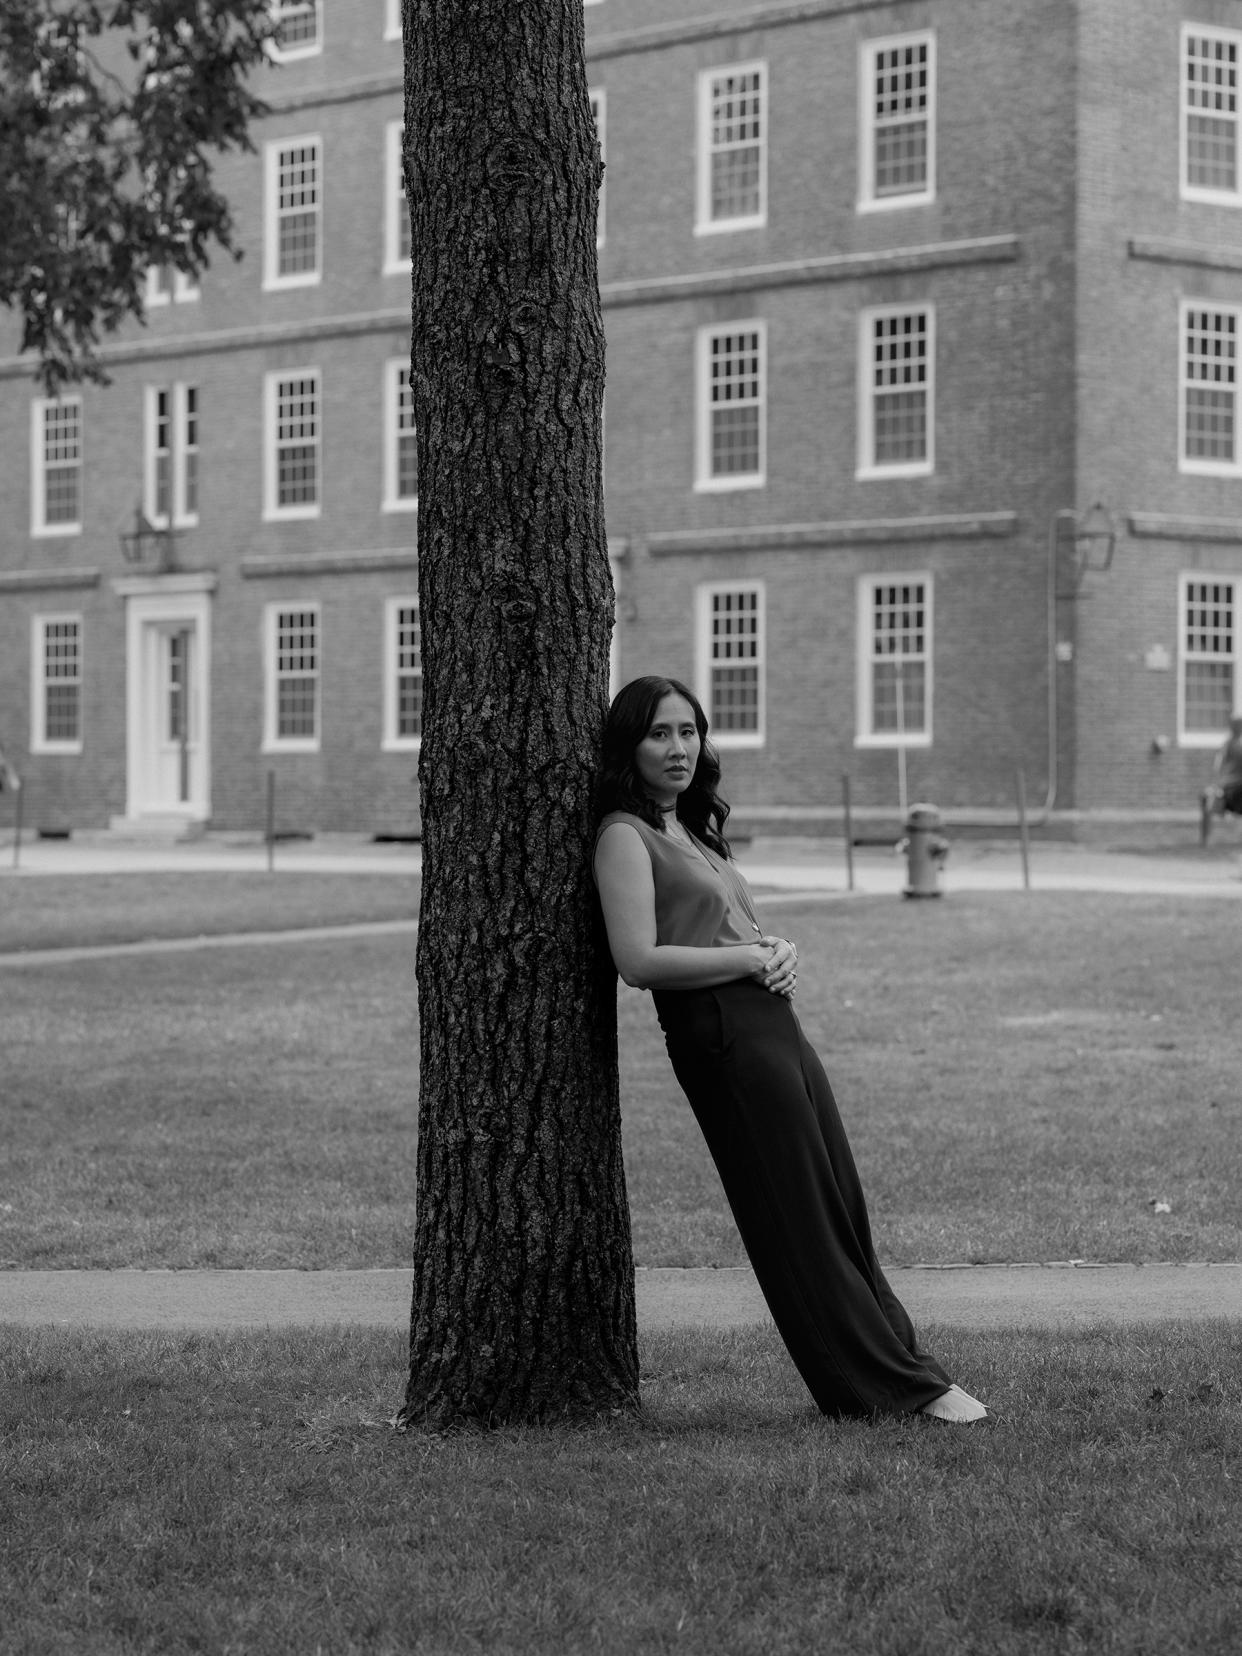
[925,849]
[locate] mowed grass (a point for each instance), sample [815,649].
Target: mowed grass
[80,910]
[169,1494]
[1022,1078]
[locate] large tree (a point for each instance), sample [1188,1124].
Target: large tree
[111,112]
[523,1304]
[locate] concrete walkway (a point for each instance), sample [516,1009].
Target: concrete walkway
[1061,1296]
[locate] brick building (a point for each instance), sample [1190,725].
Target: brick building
[922,450]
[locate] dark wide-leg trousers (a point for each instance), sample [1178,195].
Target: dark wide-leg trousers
[766,1109]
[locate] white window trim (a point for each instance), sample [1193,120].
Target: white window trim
[38,683]
[599,98]
[867,467]
[40,529]
[184,288]
[181,519]
[1196,192]
[1208,468]
[392,501]
[704,224]
[272,512]
[289,744]
[392,19]
[1209,739]
[704,482]
[394,200]
[305,49]
[392,743]
[868,201]
[864,736]
[703,661]
[272,281]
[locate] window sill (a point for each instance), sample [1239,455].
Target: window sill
[71,750]
[273,745]
[290,514]
[401,744]
[279,284]
[1209,468]
[893,741]
[894,203]
[725,227]
[1211,198]
[48,531]
[737,739]
[408,505]
[727,485]
[871,474]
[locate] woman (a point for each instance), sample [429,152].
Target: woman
[681,923]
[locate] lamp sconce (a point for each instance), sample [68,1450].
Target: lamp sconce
[1094,537]
[145,541]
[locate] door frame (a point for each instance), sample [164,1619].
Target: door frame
[163,601]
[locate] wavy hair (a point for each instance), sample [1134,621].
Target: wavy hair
[700,808]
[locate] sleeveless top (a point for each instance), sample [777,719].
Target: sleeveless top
[700,898]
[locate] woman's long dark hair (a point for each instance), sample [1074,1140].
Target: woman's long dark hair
[632,714]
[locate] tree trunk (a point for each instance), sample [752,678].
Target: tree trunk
[523,1302]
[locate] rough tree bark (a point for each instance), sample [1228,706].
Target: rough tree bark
[523,1305]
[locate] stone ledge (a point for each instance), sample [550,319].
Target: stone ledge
[329,563]
[864,531]
[48,580]
[1155,526]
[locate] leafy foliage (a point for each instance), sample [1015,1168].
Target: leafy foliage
[110,114]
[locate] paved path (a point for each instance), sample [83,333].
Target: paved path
[974,1296]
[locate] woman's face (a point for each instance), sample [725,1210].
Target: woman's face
[667,755]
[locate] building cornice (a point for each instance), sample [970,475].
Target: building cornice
[1164,250]
[48,580]
[321,97]
[833,267]
[1155,526]
[280,564]
[656,37]
[835,532]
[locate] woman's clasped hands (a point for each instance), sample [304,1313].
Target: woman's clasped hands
[779,971]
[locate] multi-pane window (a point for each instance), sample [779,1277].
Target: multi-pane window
[1211,685]
[293,661]
[171,471]
[294,219]
[403,674]
[56,466]
[897,141]
[731,660]
[599,114]
[300,30]
[1209,389]
[400,438]
[894,659]
[731,406]
[167,285]
[732,148]
[1210,134]
[397,208]
[56,702]
[896,374]
[294,427]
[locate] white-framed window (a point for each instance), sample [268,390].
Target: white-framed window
[293,216]
[1209,690]
[392,19]
[170,464]
[403,675]
[733,161]
[730,659]
[894,654]
[896,391]
[292,674]
[56,684]
[293,424]
[1208,405]
[897,122]
[732,406]
[166,285]
[1210,134]
[599,113]
[301,29]
[396,208]
[56,466]
[400,438]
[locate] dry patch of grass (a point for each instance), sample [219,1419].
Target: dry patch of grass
[190,1493]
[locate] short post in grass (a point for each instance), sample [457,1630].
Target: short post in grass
[269,832]
[1023,835]
[849,830]
[17,824]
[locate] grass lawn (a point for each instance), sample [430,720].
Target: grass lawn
[171,1494]
[52,912]
[1022,1077]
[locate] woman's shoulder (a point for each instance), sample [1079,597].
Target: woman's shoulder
[628,819]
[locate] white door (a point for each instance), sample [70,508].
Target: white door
[168,694]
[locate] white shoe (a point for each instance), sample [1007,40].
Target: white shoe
[955,1405]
